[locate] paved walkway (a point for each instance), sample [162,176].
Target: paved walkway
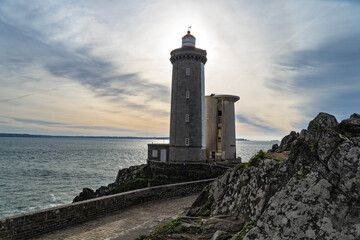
[126,224]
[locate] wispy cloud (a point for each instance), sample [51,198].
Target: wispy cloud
[66,125]
[259,124]
[327,75]
[32,121]
[103,128]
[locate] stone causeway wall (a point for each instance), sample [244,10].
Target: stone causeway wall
[185,171]
[29,225]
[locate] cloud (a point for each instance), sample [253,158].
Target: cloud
[258,124]
[333,63]
[327,75]
[22,47]
[66,125]
[27,95]
[103,128]
[40,122]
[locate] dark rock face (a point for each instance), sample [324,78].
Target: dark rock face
[350,127]
[314,194]
[86,193]
[287,141]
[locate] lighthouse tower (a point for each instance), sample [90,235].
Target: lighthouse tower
[187,119]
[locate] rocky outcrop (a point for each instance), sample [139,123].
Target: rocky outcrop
[285,142]
[313,194]
[87,193]
[124,178]
[153,174]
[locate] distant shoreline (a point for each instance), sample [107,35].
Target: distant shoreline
[55,136]
[99,137]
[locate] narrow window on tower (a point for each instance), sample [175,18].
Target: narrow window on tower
[187,94]
[187,142]
[154,153]
[187,117]
[187,71]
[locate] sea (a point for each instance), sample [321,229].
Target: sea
[38,173]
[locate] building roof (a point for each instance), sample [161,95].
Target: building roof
[188,40]
[188,34]
[232,98]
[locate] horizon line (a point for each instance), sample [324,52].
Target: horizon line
[27,135]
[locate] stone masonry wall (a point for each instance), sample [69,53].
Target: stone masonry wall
[29,225]
[184,171]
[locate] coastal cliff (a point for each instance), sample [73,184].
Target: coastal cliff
[306,188]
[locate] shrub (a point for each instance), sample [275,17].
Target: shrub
[170,227]
[314,147]
[254,161]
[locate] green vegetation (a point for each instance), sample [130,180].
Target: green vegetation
[139,173]
[145,237]
[246,229]
[276,160]
[197,173]
[296,151]
[314,147]
[303,175]
[206,208]
[254,161]
[139,182]
[170,227]
[162,232]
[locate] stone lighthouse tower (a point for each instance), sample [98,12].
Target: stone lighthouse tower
[187,119]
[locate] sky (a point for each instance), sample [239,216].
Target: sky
[101,68]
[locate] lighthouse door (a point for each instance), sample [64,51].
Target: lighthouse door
[163,155]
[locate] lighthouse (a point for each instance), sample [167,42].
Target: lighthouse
[195,136]
[187,119]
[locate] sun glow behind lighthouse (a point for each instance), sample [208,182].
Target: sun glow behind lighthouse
[76,68]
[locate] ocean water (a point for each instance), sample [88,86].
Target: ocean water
[37,173]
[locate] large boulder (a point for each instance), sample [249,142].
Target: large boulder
[287,141]
[350,127]
[319,124]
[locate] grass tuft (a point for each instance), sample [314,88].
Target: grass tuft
[246,229]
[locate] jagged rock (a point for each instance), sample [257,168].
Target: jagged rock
[274,148]
[211,225]
[86,193]
[127,174]
[243,194]
[313,194]
[221,235]
[190,228]
[321,122]
[350,127]
[179,237]
[103,190]
[286,142]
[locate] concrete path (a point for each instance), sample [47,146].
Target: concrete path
[126,224]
